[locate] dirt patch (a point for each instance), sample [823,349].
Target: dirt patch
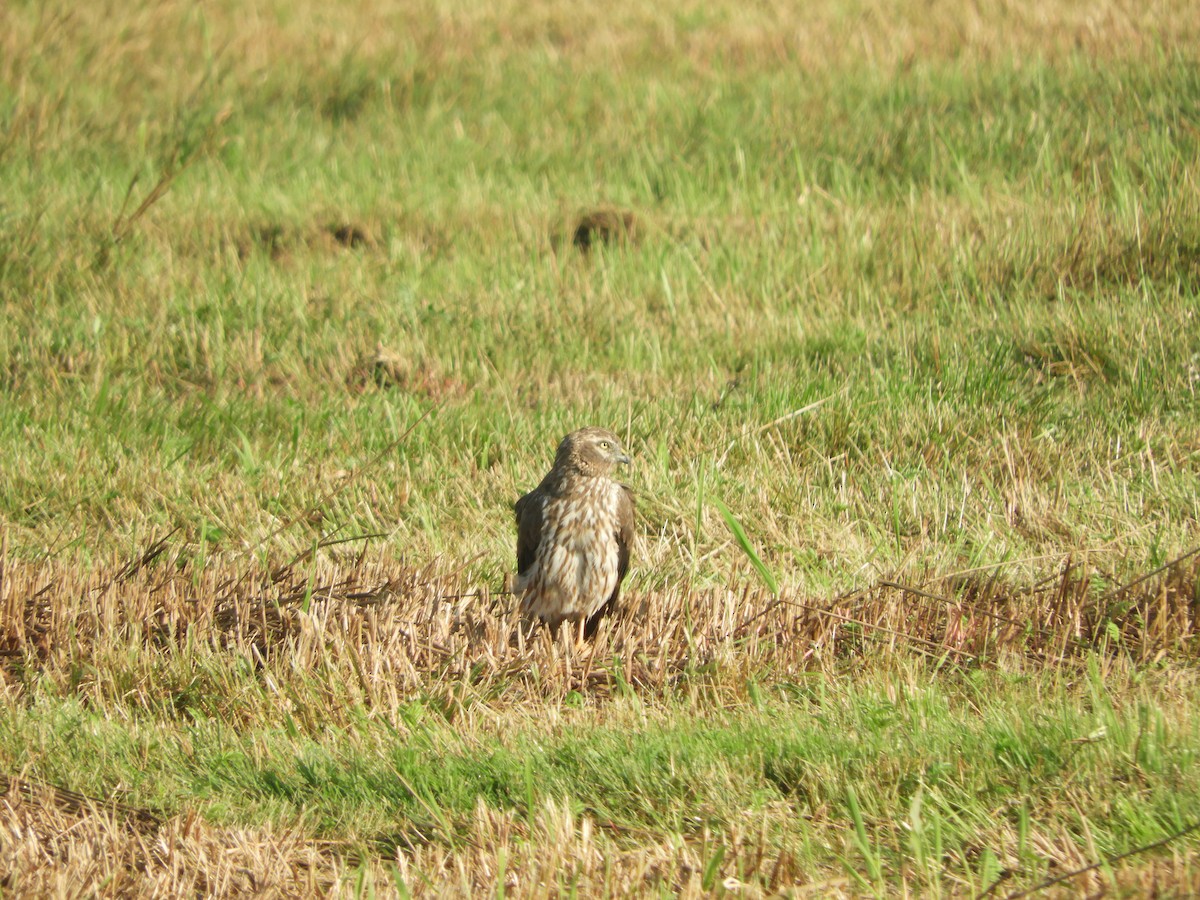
[1166,254]
[279,242]
[388,369]
[1162,255]
[269,238]
[1067,354]
[350,236]
[604,226]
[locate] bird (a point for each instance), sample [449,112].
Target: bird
[574,532]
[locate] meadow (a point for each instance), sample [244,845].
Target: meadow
[895,304]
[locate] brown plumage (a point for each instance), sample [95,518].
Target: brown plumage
[574,531]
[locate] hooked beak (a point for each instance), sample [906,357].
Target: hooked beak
[623,459]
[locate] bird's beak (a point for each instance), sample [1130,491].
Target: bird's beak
[623,459]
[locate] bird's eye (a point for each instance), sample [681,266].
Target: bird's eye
[605,445]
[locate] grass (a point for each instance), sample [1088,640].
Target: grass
[942,783]
[896,308]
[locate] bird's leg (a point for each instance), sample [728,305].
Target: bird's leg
[587,666]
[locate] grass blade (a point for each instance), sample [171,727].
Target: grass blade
[739,534]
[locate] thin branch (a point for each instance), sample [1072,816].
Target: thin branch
[1050,882]
[334,491]
[1042,632]
[892,631]
[75,802]
[1123,588]
[796,413]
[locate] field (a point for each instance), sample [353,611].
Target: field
[896,304]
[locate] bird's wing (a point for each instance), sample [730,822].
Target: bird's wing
[624,532]
[529,529]
[624,537]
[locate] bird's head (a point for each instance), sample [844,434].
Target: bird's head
[591,451]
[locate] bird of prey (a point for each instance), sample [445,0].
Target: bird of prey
[574,531]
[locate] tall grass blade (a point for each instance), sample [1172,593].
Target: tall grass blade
[743,541]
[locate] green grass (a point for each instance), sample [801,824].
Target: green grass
[873,774]
[956,260]
[910,294]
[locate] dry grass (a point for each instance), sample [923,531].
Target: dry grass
[52,852]
[53,844]
[383,631]
[883,35]
[318,643]
[48,852]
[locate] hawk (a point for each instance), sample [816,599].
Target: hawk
[574,531]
